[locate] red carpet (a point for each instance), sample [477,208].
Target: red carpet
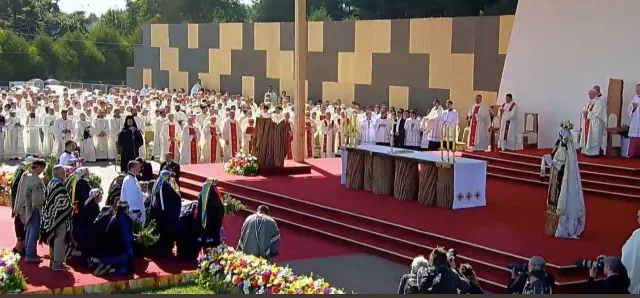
[617,161]
[40,277]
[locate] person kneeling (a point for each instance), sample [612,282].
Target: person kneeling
[260,236]
[116,249]
[165,210]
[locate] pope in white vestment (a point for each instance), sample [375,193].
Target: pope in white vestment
[479,126]
[508,136]
[431,127]
[631,259]
[101,138]
[189,143]
[634,125]
[595,123]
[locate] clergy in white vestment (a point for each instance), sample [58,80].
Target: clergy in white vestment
[211,149]
[248,136]
[594,125]
[566,212]
[382,127]
[189,142]
[232,135]
[327,131]
[101,138]
[48,141]
[634,125]
[431,127]
[310,129]
[508,137]
[67,157]
[14,144]
[171,132]
[84,138]
[338,138]
[157,134]
[33,144]
[3,135]
[412,128]
[290,133]
[479,122]
[116,123]
[132,193]
[450,119]
[366,130]
[141,124]
[631,258]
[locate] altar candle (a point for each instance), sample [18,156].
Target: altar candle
[441,136]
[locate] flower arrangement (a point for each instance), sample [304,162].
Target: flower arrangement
[231,205]
[245,165]
[232,271]
[11,278]
[6,178]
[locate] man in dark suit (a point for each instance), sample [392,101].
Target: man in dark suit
[146,172]
[398,139]
[616,281]
[170,165]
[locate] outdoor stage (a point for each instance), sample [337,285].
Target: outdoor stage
[509,230]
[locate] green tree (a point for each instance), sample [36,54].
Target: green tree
[18,59]
[320,15]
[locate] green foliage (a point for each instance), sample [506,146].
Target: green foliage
[320,15]
[231,205]
[95,181]
[146,234]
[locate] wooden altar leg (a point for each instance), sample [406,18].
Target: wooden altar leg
[384,169]
[427,187]
[551,223]
[405,184]
[355,170]
[368,172]
[444,189]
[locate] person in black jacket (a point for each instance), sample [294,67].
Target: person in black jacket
[534,275]
[400,132]
[616,281]
[129,140]
[418,263]
[170,165]
[146,174]
[467,272]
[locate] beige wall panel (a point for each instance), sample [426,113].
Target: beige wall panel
[147,77]
[346,61]
[266,36]
[506,24]
[231,36]
[373,36]
[169,59]
[489,98]
[220,61]
[286,65]
[430,35]
[288,85]
[248,86]
[334,90]
[178,79]
[210,81]
[160,35]
[273,64]
[399,97]
[316,37]
[462,89]
[193,36]
[440,71]
[362,68]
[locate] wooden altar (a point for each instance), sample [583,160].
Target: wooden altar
[270,141]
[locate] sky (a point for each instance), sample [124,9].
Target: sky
[97,6]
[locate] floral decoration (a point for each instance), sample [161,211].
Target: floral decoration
[6,178]
[242,273]
[242,164]
[11,278]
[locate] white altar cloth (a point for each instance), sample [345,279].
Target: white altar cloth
[469,178]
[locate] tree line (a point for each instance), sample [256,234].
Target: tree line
[38,40]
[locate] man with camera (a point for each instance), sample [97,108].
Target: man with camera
[616,281]
[531,278]
[440,277]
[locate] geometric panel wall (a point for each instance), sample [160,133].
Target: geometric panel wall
[403,63]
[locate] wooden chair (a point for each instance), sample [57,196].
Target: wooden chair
[494,130]
[462,144]
[529,136]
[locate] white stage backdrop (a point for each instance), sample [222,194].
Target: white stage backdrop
[559,49]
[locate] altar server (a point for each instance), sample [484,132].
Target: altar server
[383,128]
[366,131]
[594,124]
[479,122]
[508,137]
[412,128]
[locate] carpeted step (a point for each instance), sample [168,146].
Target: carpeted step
[372,234]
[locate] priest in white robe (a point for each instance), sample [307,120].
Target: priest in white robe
[158,125]
[366,130]
[412,128]
[101,138]
[431,127]
[116,123]
[594,126]
[338,139]
[508,137]
[634,125]
[14,143]
[171,132]
[84,138]
[479,122]
[211,149]
[327,131]
[189,142]
[232,135]
[33,144]
[450,119]
[631,258]
[48,141]
[382,128]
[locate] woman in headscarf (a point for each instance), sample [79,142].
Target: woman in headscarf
[129,140]
[87,212]
[79,190]
[210,215]
[116,245]
[113,196]
[165,209]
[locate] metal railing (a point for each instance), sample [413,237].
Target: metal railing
[91,86]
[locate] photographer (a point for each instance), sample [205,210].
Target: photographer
[441,277]
[408,282]
[531,278]
[616,281]
[467,272]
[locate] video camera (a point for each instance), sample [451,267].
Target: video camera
[597,263]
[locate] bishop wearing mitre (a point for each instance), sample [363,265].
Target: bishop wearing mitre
[508,137]
[232,135]
[432,126]
[479,122]
[248,137]
[594,123]
[634,125]
[189,142]
[171,133]
[211,150]
[327,130]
